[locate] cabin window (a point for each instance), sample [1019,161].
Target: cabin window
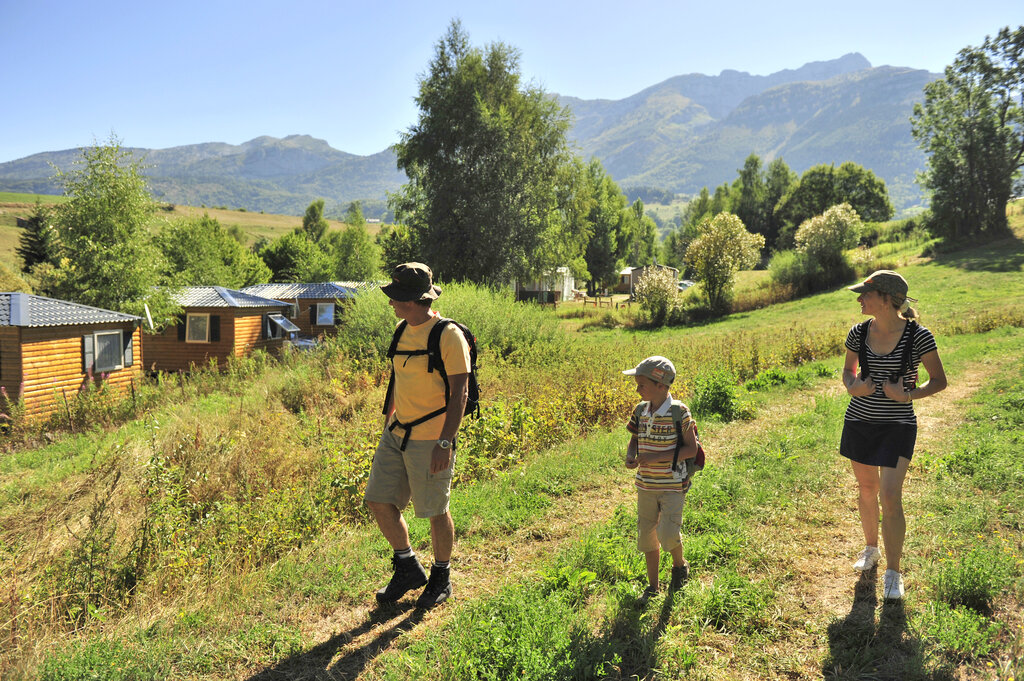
[325,314]
[197,328]
[280,327]
[109,350]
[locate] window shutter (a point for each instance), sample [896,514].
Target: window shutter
[214,328]
[337,312]
[181,327]
[88,355]
[265,327]
[128,353]
[312,314]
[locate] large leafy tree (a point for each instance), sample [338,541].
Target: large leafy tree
[293,257]
[749,191]
[723,248]
[200,252]
[971,124]
[314,224]
[484,161]
[356,257]
[107,255]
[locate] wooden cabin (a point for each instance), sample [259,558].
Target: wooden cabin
[217,323]
[52,349]
[553,286]
[630,275]
[316,308]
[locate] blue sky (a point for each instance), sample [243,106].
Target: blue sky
[166,74]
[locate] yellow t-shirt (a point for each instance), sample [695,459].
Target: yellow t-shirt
[418,392]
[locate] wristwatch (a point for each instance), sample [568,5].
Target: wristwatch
[444,444]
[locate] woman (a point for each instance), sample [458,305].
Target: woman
[880,427]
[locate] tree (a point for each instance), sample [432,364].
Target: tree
[107,256]
[397,244]
[356,257]
[723,248]
[824,237]
[354,214]
[314,224]
[749,205]
[38,242]
[640,234]
[823,186]
[293,257]
[778,181]
[483,162]
[971,124]
[655,291]
[607,221]
[200,252]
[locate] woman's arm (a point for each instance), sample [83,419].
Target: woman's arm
[854,384]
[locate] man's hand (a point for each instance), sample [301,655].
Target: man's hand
[440,459]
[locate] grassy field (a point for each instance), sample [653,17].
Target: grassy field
[219,533]
[253,225]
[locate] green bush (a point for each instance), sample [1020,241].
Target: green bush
[716,394]
[961,632]
[972,580]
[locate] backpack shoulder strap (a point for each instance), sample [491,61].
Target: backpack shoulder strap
[908,347]
[394,338]
[434,358]
[862,353]
[677,419]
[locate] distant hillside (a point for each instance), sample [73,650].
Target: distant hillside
[682,134]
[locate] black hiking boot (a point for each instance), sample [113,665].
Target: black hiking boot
[439,588]
[409,574]
[679,576]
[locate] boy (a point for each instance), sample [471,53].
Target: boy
[661,490]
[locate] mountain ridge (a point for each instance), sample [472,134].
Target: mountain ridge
[683,133]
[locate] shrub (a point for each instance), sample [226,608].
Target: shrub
[715,393]
[656,292]
[973,580]
[723,248]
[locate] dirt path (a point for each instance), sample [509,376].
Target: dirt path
[823,543]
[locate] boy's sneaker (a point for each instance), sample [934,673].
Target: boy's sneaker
[893,586]
[649,593]
[439,588]
[679,576]
[867,559]
[409,574]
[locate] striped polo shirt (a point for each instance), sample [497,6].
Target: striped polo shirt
[656,434]
[878,407]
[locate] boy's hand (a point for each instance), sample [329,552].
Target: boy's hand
[631,461]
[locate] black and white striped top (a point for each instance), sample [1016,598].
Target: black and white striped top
[878,407]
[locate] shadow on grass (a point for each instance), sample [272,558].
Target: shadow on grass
[1004,254]
[860,648]
[387,623]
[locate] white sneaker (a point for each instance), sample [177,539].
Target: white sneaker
[893,589]
[867,558]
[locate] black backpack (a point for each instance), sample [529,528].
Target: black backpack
[434,361]
[908,350]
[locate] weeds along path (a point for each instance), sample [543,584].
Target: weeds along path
[482,566]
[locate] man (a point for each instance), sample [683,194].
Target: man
[416,454]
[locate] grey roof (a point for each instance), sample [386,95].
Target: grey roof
[25,309]
[325,289]
[218,296]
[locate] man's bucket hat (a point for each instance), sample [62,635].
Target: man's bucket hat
[412,281]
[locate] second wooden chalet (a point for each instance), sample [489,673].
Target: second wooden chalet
[218,323]
[51,349]
[317,308]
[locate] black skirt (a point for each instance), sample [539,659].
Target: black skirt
[877,444]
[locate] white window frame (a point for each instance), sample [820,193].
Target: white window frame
[96,351]
[282,326]
[188,327]
[320,314]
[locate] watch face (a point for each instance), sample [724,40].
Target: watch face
[444,444]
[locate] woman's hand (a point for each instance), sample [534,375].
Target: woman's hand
[894,390]
[860,387]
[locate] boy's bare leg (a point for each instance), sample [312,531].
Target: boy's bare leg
[677,556]
[653,558]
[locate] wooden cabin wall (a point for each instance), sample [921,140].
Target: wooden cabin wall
[51,359]
[10,361]
[248,332]
[164,352]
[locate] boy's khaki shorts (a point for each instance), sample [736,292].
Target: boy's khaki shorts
[659,517]
[397,476]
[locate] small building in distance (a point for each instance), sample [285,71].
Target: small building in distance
[551,287]
[628,276]
[51,349]
[317,307]
[217,323]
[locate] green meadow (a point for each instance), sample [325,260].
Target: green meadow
[214,529]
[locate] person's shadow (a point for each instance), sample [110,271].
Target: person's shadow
[389,621]
[861,649]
